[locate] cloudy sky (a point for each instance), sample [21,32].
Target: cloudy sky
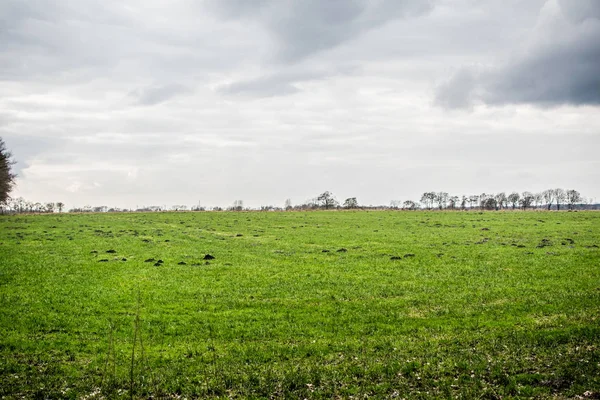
[156,102]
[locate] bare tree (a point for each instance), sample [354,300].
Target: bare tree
[501,200]
[428,198]
[573,197]
[526,200]
[559,197]
[473,200]
[60,205]
[395,204]
[288,204]
[463,203]
[441,198]
[548,196]
[453,202]
[513,199]
[538,199]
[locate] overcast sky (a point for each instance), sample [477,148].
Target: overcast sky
[156,102]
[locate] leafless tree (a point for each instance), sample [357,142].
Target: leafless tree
[548,196]
[526,200]
[441,198]
[473,200]
[538,199]
[513,199]
[453,202]
[427,199]
[573,197]
[559,197]
[501,200]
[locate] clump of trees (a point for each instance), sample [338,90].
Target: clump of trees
[500,201]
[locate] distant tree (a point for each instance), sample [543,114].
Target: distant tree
[463,203]
[60,205]
[441,198]
[483,200]
[501,200]
[526,200]
[513,199]
[573,197]
[538,199]
[489,203]
[395,204]
[50,207]
[327,200]
[453,202]
[351,202]
[409,205]
[473,200]
[428,198]
[548,196]
[7,177]
[238,205]
[559,197]
[288,204]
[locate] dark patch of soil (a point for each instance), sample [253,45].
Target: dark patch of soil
[209,257]
[342,250]
[150,260]
[181,263]
[395,258]
[409,255]
[544,243]
[103,260]
[111,251]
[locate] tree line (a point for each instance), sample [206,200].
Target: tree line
[551,199]
[548,199]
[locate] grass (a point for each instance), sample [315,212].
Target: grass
[302,305]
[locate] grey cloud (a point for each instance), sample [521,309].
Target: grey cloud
[158,94]
[561,67]
[580,10]
[302,28]
[281,83]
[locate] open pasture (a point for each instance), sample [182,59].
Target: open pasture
[300,305]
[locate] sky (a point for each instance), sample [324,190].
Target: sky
[154,102]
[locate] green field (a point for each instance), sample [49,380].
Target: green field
[300,305]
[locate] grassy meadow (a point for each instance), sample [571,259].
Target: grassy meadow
[300,305]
